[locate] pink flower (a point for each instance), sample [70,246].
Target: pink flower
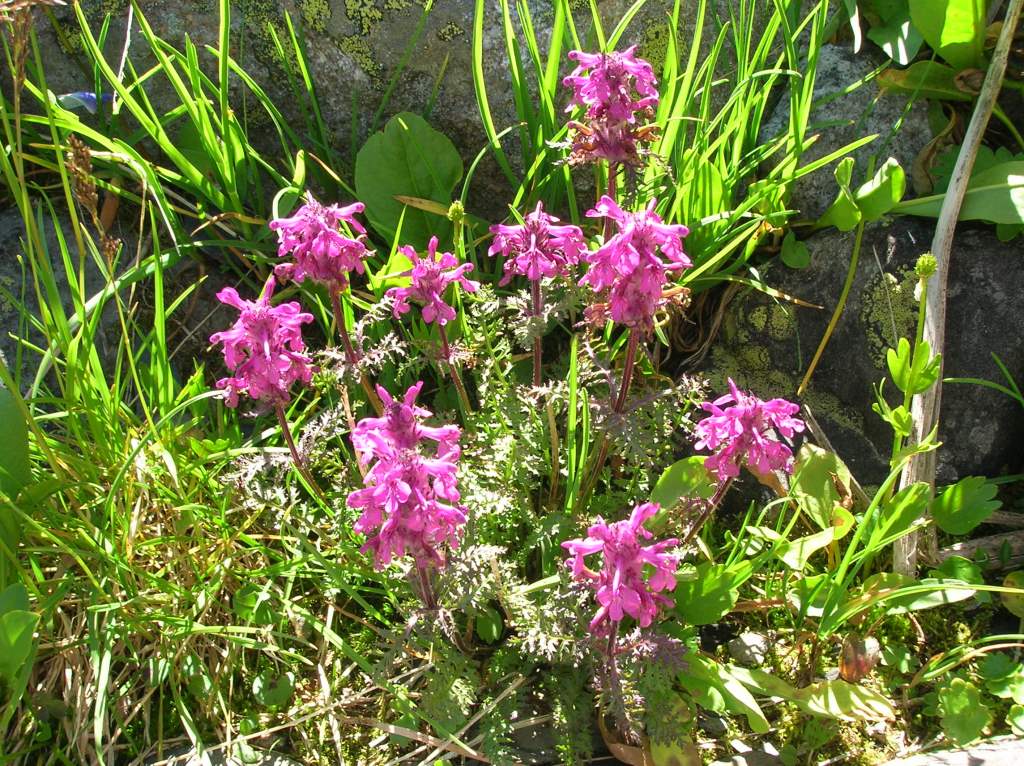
[612,86]
[746,433]
[263,348]
[628,270]
[621,585]
[410,502]
[537,248]
[322,252]
[430,277]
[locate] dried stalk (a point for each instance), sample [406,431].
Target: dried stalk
[925,406]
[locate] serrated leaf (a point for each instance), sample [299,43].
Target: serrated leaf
[407,158]
[963,713]
[489,626]
[915,372]
[964,505]
[883,192]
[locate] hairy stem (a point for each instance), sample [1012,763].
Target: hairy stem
[538,310]
[460,388]
[300,464]
[351,355]
[709,508]
[427,588]
[613,172]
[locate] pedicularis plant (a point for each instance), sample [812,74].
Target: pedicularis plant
[410,502]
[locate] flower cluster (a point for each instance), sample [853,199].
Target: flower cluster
[430,277]
[410,501]
[322,252]
[628,270]
[746,433]
[263,348]
[537,248]
[621,584]
[614,88]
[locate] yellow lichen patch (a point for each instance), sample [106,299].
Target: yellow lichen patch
[654,45]
[450,31]
[357,49]
[316,14]
[364,14]
[888,312]
[68,37]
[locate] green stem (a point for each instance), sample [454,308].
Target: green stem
[300,464]
[460,387]
[351,355]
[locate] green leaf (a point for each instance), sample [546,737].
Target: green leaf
[913,374]
[899,418]
[965,570]
[997,665]
[955,29]
[795,253]
[1010,686]
[883,192]
[898,38]
[898,657]
[684,479]
[489,626]
[16,641]
[272,689]
[252,604]
[820,482]
[845,701]
[709,593]
[964,715]
[14,597]
[964,505]
[995,195]
[703,672]
[1015,719]
[1014,602]
[925,79]
[15,470]
[901,511]
[943,592]
[843,213]
[795,553]
[411,159]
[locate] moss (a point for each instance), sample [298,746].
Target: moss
[450,31]
[68,37]
[357,49]
[256,16]
[654,45]
[316,14]
[888,312]
[364,14]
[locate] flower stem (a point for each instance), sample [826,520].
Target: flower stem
[709,508]
[426,588]
[620,403]
[538,310]
[446,351]
[350,353]
[300,464]
[613,173]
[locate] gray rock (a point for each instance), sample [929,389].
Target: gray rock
[1002,751]
[845,118]
[749,649]
[767,345]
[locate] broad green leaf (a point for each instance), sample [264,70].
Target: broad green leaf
[995,195]
[273,689]
[795,553]
[15,471]
[997,665]
[1015,720]
[407,158]
[964,505]
[795,252]
[964,715]
[252,604]
[843,213]
[955,29]
[883,192]
[703,672]
[809,594]
[705,596]
[898,39]
[1009,685]
[898,657]
[14,597]
[913,374]
[489,626]
[942,592]
[844,701]
[900,512]
[16,629]
[1014,602]
[925,79]
[685,478]
[820,482]
[959,568]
